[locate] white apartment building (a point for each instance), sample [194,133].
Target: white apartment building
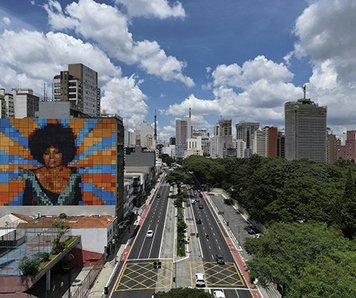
[260,142]
[194,147]
[25,103]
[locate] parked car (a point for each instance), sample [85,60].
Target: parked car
[198,221]
[220,259]
[158,195]
[250,230]
[201,206]
[193,202]
[149,234]
[180,216]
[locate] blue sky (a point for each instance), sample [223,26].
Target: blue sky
[239,59]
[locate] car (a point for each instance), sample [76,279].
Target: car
[180,216]
[158,195]
[197,199]
[149,234]
[258,235]
[201,206]
[218,294]
[199,280]
[250,230]
[220,259]
[198,221]
[193,202]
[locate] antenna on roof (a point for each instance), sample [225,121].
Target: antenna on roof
[305,90]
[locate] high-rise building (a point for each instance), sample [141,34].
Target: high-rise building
[146,130]
[331,148]
[220,143]
[265,141]
[245,132]
[183,130]
[79,85]
[305,130]
[280,145]
[223,128]
[348,151]
[25,103]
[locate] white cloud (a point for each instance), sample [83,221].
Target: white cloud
[199,106]
[327,36]
[256,90]
[153,8]
[123,96]
[6,21]
[251,72]
[326,32]
[108,27]
[154,61]
[46,55]
[165,132]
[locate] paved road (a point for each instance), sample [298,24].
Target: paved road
[176,271]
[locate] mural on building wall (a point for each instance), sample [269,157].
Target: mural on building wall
[57,162]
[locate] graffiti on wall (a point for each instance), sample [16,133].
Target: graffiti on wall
[51,162]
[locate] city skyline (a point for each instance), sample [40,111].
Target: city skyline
[231,59]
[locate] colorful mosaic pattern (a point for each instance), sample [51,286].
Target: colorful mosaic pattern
[93,178]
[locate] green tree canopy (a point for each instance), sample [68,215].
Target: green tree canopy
[167,159]
[178,177]
[282,254]
[205,170]
[304,199]
[328,276]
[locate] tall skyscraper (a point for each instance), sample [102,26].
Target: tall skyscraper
[222,138]
[79,85]
[223,128]
[264,143]
[183,130]
[305,130]
[245,131]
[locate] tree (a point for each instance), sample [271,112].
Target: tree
[166,159]
[60,229]
[184,292]
[29,266]
[205,170]
[345,209]
[304,199]
[285,250]
[181,227]
[178,177]
[329,276]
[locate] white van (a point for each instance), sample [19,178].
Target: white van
[199,280]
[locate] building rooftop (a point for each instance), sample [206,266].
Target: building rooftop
[92,221]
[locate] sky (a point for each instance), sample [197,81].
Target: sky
[238,59]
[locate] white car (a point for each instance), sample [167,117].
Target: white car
[218,294]
[200,280]
[149,234]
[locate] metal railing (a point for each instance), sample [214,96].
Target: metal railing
[85,286]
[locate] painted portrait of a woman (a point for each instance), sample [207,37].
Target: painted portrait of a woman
[55,183]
